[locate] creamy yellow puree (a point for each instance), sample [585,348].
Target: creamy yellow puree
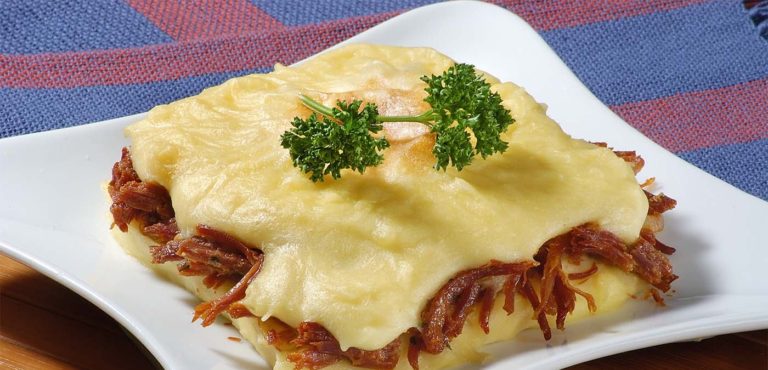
[609,287]
[363,255]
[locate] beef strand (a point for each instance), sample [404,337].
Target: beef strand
[583,274]
[147,203]
[441,314]
[162,232]
[207,311]
[319,348]
[642,258]
[659,203]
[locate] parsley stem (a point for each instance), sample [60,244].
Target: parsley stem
[425,118]
[315,106]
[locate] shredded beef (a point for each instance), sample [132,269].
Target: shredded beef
[279,334]
[652,265]
[558,295]
[162,231]
[147,203]
[442,315]
[383,358]
[219,260]
[123,171]
[150,198]
[642,258]
[650,237]
[635,161]
[238,310]
[446,313]
[663,248]
[512,284]
[223,255]
[657,297]
[415,346]
[207,311]
[486,305]
[659,203]
[590,239]
[648,182]
[583,274]
[220,257]
[318,348]
[215,255]
[461,309]
[530,294]
[562,293]
[166,252]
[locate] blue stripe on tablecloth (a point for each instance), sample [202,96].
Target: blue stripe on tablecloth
[698,47]
[299,12]
[71,107]
[33,26]
[728,163]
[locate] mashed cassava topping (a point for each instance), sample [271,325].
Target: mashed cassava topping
[398,260]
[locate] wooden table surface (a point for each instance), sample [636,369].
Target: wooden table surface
[43,325]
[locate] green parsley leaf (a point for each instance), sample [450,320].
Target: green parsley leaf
[325,146]
[461,102]
[463,106]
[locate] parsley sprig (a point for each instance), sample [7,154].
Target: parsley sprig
[342,137]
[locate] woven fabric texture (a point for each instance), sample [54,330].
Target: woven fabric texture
[690,74]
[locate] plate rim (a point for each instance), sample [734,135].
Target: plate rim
[158,350]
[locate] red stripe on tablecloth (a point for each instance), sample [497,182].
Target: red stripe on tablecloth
[191,20]
[547,15]
[694,120]
[173,61]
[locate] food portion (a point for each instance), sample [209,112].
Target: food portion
[397,265]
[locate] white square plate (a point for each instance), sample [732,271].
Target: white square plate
[53,216]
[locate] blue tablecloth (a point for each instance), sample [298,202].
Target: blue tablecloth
[690,74]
